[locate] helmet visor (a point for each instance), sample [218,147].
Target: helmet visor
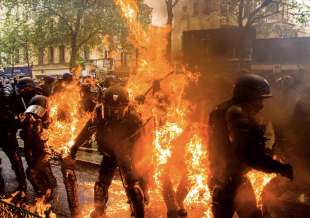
[36,109]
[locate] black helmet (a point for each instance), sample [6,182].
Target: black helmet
[116,96]
[37,106]
[67,77]
[25,82]
[251,86]
[115,102]
[49,79]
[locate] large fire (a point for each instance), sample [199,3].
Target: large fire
[67,119]
[171,122]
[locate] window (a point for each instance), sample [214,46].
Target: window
[25,51]
[16,56]
[50,55]
[86,53]
[274,7]
[62,54]
[41,56]
[210,6]
[195,8]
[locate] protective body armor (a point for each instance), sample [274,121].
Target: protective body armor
[115,140]
[8,129]
[237,144]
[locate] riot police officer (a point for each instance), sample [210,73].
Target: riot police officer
[66,79]
[8,141]
[25,89]
[48,86]
[39,172]
[117,127]
[237,144]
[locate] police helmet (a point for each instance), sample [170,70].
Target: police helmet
[115,102]
[37,106]
[250,87]
[67,77]
[25,82]
[116,96]
[49,79]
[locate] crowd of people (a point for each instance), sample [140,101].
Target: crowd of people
[236,145]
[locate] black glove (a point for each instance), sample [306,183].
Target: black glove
[287,171]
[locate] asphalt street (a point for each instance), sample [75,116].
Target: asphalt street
[87,175]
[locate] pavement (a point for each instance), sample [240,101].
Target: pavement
[87,173]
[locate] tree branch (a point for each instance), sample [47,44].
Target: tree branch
[59,15]
[257,10]
[175,3]
[88,37]
[262,17]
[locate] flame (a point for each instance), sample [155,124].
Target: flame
[197,166]
[40,207]
[259,180]
[67,119]
[170,116]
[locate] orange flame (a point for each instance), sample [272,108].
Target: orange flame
[259,180]
[67,118]
[171,116]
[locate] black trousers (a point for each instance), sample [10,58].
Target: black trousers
[9,144]
[134,191]
[235,196]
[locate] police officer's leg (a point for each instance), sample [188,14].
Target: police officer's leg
[37,181]
[50,181]
[133,189]
[106,173]
[245,201]
[223,196]
[11,150]
[169,194]
[181,193]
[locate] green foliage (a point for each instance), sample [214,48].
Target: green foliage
[75,23]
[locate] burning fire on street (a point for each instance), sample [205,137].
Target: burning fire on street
[173,121]
[171,126]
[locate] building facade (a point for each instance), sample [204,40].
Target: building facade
[214,14]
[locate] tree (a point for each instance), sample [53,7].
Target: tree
[250,14]
[170,4]
[78,24]
[15,37]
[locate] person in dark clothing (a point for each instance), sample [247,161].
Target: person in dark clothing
[39,172]
[67,78]
[8,128]
[88,100]
[48,86]
[25,89]
[237,145]
[117,127]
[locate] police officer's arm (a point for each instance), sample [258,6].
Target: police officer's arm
[248,148]
[84,135]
